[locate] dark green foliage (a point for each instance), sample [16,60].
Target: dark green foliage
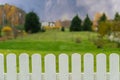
[103,18]
[117,17]
[87,24]
[63,29]
[32,24]
[76,24]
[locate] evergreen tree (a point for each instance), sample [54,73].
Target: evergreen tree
[32,24]
[103,18]
[76,24]
[117,17]
[87,24]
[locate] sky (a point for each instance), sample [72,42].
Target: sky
[51,10]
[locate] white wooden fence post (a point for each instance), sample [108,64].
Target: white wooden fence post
[11,67]
[24,67]
[36,67]
[1,67]
[63,67]
[114,67]
[101,67]
[88,67]
[50,67]
[76,66]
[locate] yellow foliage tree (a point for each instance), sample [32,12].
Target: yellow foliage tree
[104,28]
[12,15]
[7,32]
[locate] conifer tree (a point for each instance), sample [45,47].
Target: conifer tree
[117,17]
[76,24]
[32,24]
[103,18]
[87,24]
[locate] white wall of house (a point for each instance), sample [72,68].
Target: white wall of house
[51,24]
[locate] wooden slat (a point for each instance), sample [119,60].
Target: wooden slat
[88,67]
[1,67]
[114,67]
[101,67]
[50,67]
[24,67]
[63,67]
[76,66]
[36,67]
[11,67]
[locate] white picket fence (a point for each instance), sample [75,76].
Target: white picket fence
[63,64]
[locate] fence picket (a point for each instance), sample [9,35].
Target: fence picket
[76,67]
[114,67]
[11,67]
[24,67]
[50,67]
[36,67]
[101,67]
[88,67]
[63,67]
[10,63]
[1,67]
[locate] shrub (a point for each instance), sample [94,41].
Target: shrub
[7,32]
[6,29]
[62,29]
[78,40]
[99,43]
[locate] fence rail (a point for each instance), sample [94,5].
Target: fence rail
[63,66]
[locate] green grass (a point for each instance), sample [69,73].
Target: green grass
[57,42]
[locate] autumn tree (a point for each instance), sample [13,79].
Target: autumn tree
[104,28]
[58,24]
[76,24]
[117,17]
[111,29]
[87,24]
[103,18]
[12,15]
[32,24]
[65,23]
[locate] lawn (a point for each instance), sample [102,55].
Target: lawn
[57,42]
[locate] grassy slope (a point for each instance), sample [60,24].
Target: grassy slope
[55,42]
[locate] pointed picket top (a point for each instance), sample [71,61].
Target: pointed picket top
[24,66]
[50,67]
[114,66]
[63,67]
[76,66]
[101,66]
[88,66]
[11,67]
[36,67]
[1,66]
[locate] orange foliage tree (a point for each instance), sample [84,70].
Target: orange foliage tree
[12,15]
